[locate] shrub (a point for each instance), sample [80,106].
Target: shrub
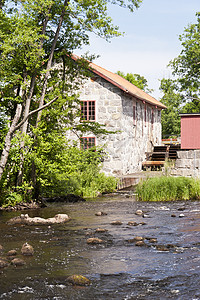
[11,199]
[168,188]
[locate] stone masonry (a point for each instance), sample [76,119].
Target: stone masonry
[135,134]
[187,163]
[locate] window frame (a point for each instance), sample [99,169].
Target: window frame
[88,110]
[88,144]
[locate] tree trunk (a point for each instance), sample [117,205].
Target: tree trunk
[41,103]
[6,149]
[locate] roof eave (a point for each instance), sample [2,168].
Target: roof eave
[162,106]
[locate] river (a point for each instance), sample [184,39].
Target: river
[117,268]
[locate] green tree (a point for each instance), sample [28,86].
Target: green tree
[186,67]
[36,41]
[137,80]
[170,117]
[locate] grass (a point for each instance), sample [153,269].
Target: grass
[167,188]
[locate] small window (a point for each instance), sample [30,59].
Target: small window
[88,110]
[87,142]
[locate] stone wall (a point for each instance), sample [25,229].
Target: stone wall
[114,108]
[187,163]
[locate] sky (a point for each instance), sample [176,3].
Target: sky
[150,41]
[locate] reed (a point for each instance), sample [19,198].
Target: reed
[167,188]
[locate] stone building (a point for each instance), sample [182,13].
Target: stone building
[122,107]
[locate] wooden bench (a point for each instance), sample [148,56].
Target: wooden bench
[153,164]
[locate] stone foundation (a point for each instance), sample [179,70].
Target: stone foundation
[187,164]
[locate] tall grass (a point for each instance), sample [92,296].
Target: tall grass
[168,188]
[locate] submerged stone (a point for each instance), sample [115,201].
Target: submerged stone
[3,263]
[78,280]
[116,223]
[101,213]
[12,253]
[94,241]
[101,230]
[18,262]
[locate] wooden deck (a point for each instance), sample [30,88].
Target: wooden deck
[130,180]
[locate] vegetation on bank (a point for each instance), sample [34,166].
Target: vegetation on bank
[167,188]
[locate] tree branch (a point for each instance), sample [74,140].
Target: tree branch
[35,111]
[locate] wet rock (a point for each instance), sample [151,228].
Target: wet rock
[94,241]
[142,223]
[136,239]
[161,248]
[146,216]
[139,212]
[173,216]
[3,263]
[101,230]
[153,240]
[116,223]
[18,262]
[181,216]
[140,244]
[26,220]
[27,249]
[78,280]
[12,253]
[181,208]
[132,223]
[101,213]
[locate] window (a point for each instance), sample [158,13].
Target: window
[88,110]
[87,142]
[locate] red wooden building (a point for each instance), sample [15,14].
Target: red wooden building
[190,131]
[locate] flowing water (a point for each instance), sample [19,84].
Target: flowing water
[117,268]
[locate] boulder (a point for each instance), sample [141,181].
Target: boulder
[132,223]
[26,220]
[27,249]
[94,241]
[3,263]
[78,280]
[101,213]
[101,230]
[139,212]
[12,253]
[116,223]
[18,262]
[140,243]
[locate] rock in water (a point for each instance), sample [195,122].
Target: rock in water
[3,263]
[94,241]
[12,253]
[116,223]
[27,249]
[78,280]
[26,220]
[18,262]
[139,212]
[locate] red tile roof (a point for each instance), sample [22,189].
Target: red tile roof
[123,84]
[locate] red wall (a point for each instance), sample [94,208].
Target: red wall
[190,132]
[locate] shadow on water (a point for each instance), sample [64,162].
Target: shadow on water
[118,269]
